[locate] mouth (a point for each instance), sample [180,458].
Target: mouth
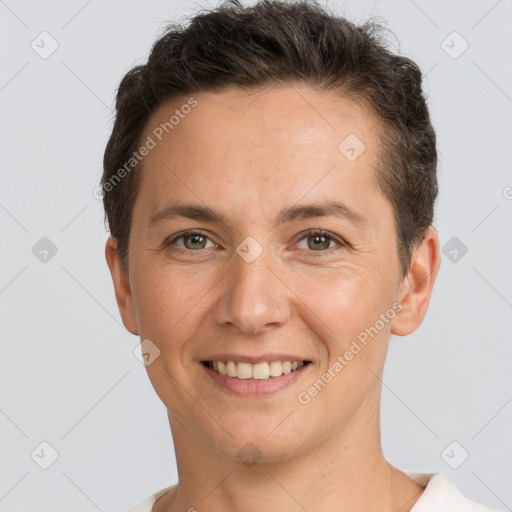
[258,371]
[253,380]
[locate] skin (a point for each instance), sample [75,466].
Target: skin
[249,155]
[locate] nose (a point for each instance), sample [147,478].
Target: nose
[254,298]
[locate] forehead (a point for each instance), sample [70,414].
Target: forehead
[249,145]
[292,114]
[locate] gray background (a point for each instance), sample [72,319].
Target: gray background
[68,375]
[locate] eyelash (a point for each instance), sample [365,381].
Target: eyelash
[312,232]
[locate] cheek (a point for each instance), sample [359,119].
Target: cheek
[168,300]
[344,315]
[333,305]
[341,303]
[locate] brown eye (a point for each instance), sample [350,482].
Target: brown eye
[192,241]
[320,241]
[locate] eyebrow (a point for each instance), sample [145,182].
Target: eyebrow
[293,213]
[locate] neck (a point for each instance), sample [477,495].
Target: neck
[347,471]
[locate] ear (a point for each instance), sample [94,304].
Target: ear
[121,286]
[416,288]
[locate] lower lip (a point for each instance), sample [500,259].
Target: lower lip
[255,387]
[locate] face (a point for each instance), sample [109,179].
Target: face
[254,280]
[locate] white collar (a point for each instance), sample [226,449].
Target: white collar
[440,495]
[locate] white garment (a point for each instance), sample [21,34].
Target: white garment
[440,495]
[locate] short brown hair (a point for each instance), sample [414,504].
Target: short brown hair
[276,42]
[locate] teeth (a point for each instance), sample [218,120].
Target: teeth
[231,369]
[221,367]
[260,371]
[276,369]
[243,370]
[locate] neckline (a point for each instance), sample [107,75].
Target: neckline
[421,479]
[161,493]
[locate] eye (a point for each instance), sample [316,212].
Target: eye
[192,240]
[321,240]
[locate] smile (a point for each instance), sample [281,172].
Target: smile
[254,380]
[261,371]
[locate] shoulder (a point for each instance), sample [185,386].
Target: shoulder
[147,504]
[441,495]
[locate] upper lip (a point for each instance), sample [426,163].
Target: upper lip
[255,359]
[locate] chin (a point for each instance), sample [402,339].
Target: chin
[267,442]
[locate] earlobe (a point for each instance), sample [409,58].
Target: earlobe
[416,288]
[122,286]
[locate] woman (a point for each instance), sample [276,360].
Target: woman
[269,186]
